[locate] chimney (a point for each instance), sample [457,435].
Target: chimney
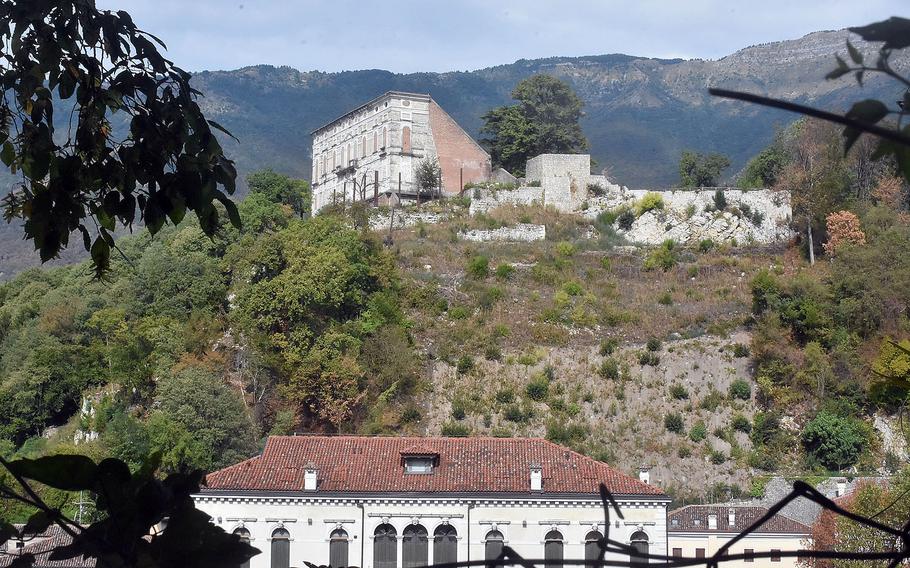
[309,477]
[644,474]
[712,521]
[731,517]
[536,477]
[841,488]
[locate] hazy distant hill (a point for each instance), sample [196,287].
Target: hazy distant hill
[640,113]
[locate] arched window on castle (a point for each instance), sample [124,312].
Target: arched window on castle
[445,544]
[552,549]
[281,548]
[406,140]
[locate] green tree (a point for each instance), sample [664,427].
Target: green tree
[198,410]
[281,189]
[701,170]
[136,139]
[428,175]
[544,120]
[834,441]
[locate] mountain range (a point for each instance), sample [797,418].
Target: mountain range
[640,113]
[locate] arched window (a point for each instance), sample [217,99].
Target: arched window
[245,539]
[592,548]
[338,549]
[385,547]
[281,549]
[639,543]
[493,546]
[384,137]
[414,547]
[445,545]
[375,140]
[406,140]
[552,549]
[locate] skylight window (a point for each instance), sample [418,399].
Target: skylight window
[418,465]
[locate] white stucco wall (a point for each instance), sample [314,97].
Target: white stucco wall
[522,521]
[757,542]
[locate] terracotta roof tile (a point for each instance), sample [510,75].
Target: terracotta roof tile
[357,464]
[694,518]
[42,547]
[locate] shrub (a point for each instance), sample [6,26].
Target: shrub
[608,346]
[489,296]
[492,353]
[690,210]
[538,389]
[625,219]
[596,190]
[505,395]
[698,432]
[653,344]
[833,441]
[843,228]
[458,410]
[410,415]
[718,457]
[605,263]
[649,202]
[479,267]
[514,413]
[665,299]
[609,369]
[573,288]
[459,313]
[712,400]
[549,372]
[465,364]
[705,245]
[740,350]
[501,330]
[456,430]
[504,271]
[663,257]
[757,218]
[679,392]
[720,200]
[649,358]
[741,389]
[765,428]
[566,434]
[684,452]
[565,248]
[741,424]
[673,422]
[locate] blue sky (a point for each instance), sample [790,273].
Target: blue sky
[438,35]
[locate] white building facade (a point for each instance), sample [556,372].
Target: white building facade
[376,148]
[409,502]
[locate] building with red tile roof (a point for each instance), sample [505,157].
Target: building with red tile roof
[699,531]
[384,502]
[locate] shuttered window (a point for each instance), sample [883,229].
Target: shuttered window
[385,547]
[553,549]
[281,549]
[414,547]
[338,549]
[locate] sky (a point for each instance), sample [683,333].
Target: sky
[407,36]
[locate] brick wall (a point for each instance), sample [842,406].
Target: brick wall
[460,158]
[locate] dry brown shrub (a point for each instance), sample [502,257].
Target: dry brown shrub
[843,228]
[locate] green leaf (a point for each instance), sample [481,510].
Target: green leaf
[8,154]
[101,255]
[61,471]
[37,523]
[231,207]
[855,55]
[894,31]
[214,124]
[839,71]
[7,531]
[869,110]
